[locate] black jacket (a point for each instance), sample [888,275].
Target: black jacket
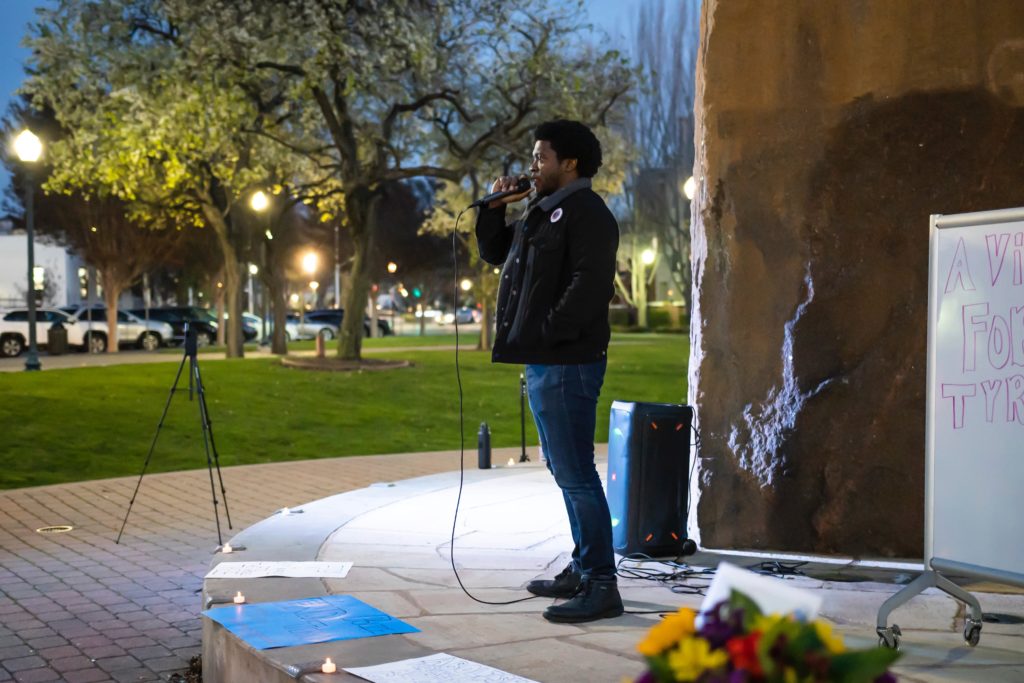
[557,277]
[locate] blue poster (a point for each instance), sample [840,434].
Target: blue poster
[303,622]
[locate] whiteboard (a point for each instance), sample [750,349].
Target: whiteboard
[974,471]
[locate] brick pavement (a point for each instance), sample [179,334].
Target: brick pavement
[77,607]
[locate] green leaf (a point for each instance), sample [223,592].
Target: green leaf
[751,611]
[861,666]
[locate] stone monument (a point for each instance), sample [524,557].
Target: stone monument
[826,134]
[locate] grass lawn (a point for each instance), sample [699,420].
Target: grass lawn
[91,423]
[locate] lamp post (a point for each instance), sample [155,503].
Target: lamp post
[310,261]
[29,148]
[259,202]
[392,269]
[253,270]
[337,267]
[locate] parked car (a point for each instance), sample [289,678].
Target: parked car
[177,318]
[14,329]
[334,316]
[466,315]
[249,332]
[203,320]
[131,330]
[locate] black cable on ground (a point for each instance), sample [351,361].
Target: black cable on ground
[778,568]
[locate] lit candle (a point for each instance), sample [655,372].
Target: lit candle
[328,667]
[239,598]
[226,548]
[511,462]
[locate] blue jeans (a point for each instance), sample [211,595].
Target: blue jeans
[563,399]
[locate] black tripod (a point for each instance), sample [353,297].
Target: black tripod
[212,459]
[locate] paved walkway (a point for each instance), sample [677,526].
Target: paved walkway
[76,607]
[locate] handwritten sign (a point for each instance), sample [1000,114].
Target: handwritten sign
[439,668]
[303,622]
[986,285]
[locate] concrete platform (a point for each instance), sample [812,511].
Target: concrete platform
[511,529]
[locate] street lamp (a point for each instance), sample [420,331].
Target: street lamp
[253,270]
[259,201]
[392,267]
[310,261]
[689,188]
[309,264]
[29,148]
[313,286]
[647,256]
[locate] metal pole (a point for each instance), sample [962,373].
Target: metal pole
[523,457]
[32,360]
[251,306]
[263,292]
[337,269]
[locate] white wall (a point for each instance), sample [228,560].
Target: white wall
[60,265]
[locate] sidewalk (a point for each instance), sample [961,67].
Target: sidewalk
[76,607]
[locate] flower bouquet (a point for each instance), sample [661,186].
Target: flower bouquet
[737,643]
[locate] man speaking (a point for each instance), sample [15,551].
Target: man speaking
[552,315]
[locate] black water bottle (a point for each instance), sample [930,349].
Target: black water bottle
[483,447]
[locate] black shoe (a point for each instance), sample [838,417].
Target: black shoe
[564,585]
[596,600]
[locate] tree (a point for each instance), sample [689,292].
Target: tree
[660,131]
[98,229]
[379,91]
[150,120]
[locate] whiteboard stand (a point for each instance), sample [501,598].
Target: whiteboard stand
[889,636]
[972,441]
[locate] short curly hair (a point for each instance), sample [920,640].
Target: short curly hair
[572,140]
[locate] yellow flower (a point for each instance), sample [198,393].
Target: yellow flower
[693,657]
[833,641]
[667,632]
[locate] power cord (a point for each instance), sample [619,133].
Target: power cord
[462,430]
[778,568]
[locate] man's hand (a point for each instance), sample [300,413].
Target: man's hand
[504,184]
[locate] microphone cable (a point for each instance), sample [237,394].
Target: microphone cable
[462,429]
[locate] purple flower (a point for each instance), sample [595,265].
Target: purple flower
[646,677]
[738,676]
[720,624]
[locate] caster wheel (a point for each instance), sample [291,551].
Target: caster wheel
[889,637]
[972,633]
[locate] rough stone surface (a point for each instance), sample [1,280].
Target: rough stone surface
[827,133]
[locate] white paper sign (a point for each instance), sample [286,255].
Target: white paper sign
[292,570]
[770,594]
[439,668]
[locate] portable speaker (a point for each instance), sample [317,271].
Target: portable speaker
[648,461]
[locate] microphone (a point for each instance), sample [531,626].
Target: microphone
[522,186]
